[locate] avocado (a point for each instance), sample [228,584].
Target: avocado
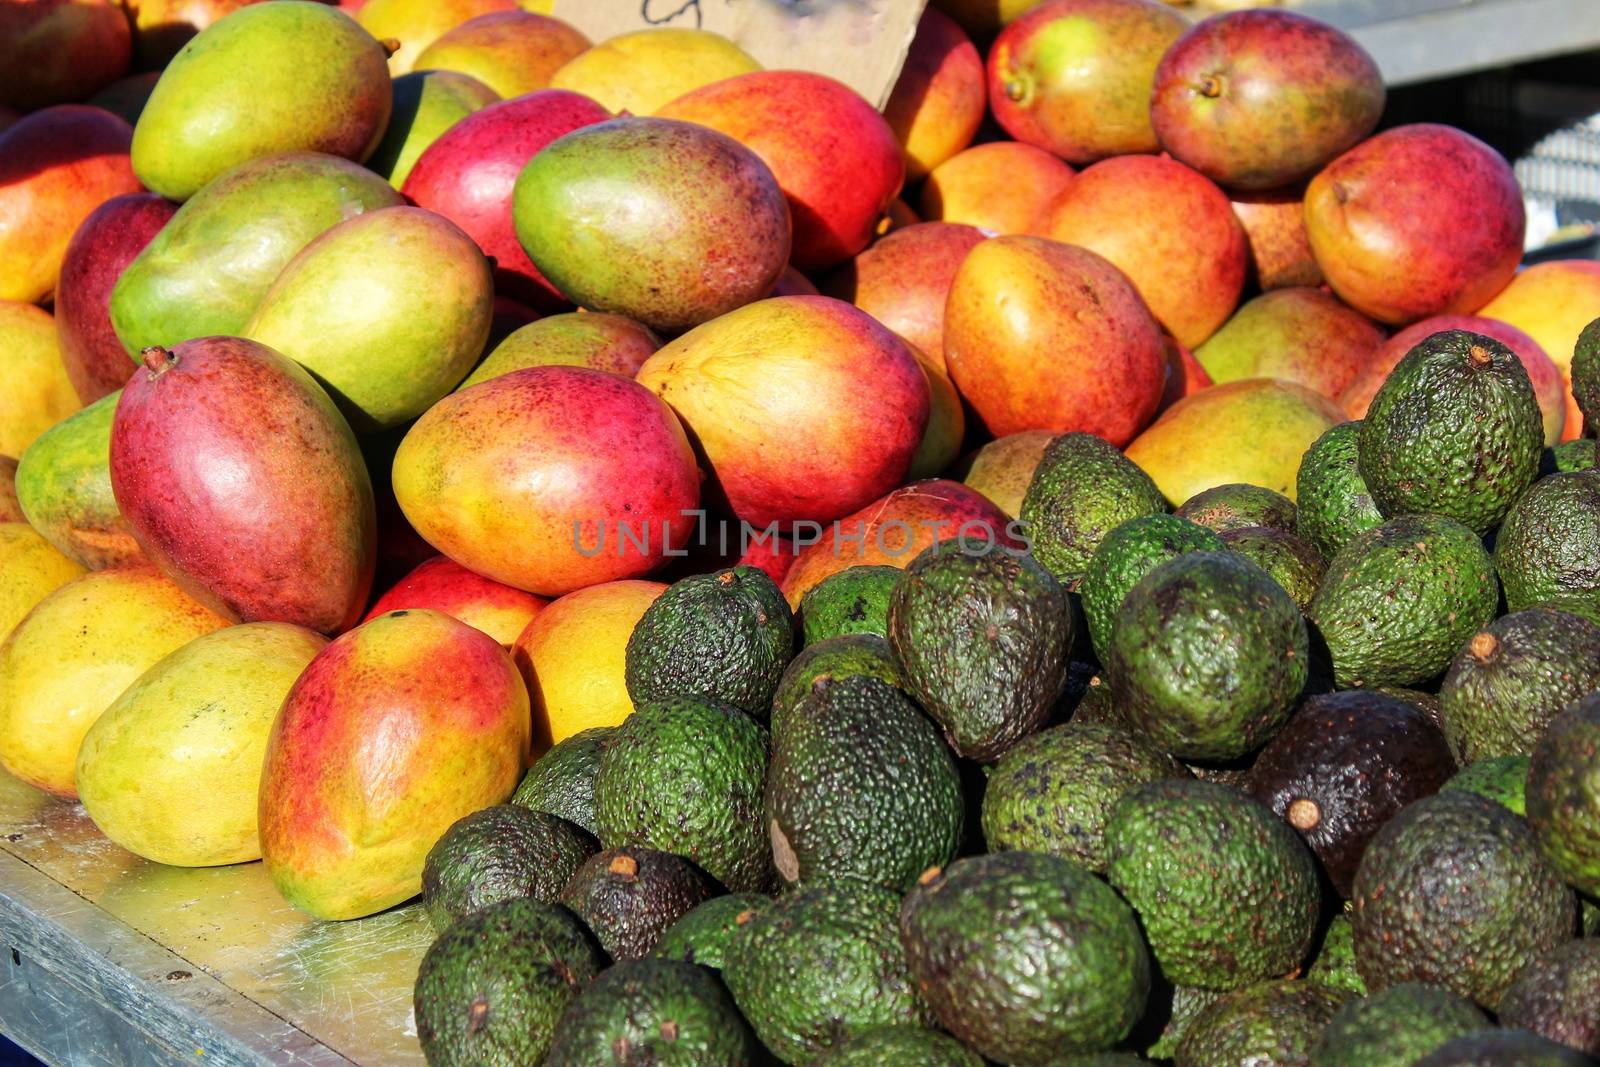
[1293,563]
[1513,677]
[1503,1048]
[1400,600]
[982,639]
[561,782]
[1271,1024]
[1025,957]
[1423,701]
[900,1046]
[490,989]
[652,1013]
[848,656]
[1586,377]
[1172,1008]
[685,775]
[1557,995]
[1345,764]
[1208,656]
[1053,792]
[860,786]
[702,935]
[1098,704]
[853,601]
[1395,1027]
[1454,431]
[1334,962]
[1571,456]
[501,853]
[1563,795]
[725,636]
[1226,892]
[1127,553]
[819,965]
[1503,779]
[1332,503]
[1082,489]
[1453,891]
[1238,506]
[1548,548]
[628,896]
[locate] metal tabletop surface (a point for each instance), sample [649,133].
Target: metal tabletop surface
[109,959]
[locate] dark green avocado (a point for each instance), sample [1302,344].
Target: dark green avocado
[1172,1009]
[1334,962]
[561,782]
[1586,377]
[1503,779]
[652,1013]
[900,1046]
[501,853]
[1563,794]
[1238,506]
[1548,548]
[834,657]
[1503,1048]
[1557,995]
[1025,957]
[1127,554]
[1293,563]
[1270,1024]
[853,601]
[702,935]
[628,896]
[1333,504]
[1578,455]
[1082,489]
[1395,1027]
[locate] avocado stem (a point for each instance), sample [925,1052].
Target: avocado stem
[1483,646]
[1480,356]
[158,360]
[625,867]
[1304,814]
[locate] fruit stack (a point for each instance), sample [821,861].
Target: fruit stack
[1149,610]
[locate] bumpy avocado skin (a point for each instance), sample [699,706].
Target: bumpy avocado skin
[1238,506]
[982,640]
[501,853]
[900,1046]
[1292,562]
[1548,548]
[702,935]
[561,782]
[1453,891]
[1082,489]
[1334,962]
[1577,455]
[1586,377]
[1054,791]
[1274,1022]
[1400,600]
[853,601]
[860,786]
[1513,677]
[1503,779]
[652,1013]
[1026,957]
[1454,430]
[491,988]
[1558,996]
[1128,553]
[1503,1048]
[725,636]
[1563,794]
[835,657]
[1226,892]
[1208,656]
[1176,1009]
[1395,1027]
[629,896]
[1333,504]
[819,965]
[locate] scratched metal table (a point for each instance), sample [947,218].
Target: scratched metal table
[108,959]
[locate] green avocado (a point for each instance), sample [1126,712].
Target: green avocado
[819,965]
[860,786]
[1578,455]
[1513,677]
[652,1013]
[500,853]
[1172,1008]
[847,656]
[1557,995]
[1400,600]
[703,934]
[982,640]
[1126,554]
[1586,377]
[853,601]
[1395,1027]
[1273,1023]
[1026,957]
[685,775]
[629,896]
[1503,1048]
[561,781]
[1208,656]
[491,988]
[900,1046]
[725,636]
[1334,962]
[1503,779]
[1293,563]
[1239,506]
[1332,503]
[1082,489]
[1453,891]
[1226,892]
[1548,548]
[1563,794]
[1454,431]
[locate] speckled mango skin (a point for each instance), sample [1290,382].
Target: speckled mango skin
[1302,334]
[64,488]
[426,104]
[590,339]
[30,570]
[395,731]
[35,392]
[442,584]
[512,52]
[704,228]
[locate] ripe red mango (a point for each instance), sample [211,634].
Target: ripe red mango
[56,51]
[938,100]
[1275,226]
[396,730]
[441,584]
[1001,186]
[241,480]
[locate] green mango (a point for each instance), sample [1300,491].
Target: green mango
[388,310]
[64,488]
[209,267]
[426,103]
[284,76]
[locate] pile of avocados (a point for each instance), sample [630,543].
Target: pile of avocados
[1243,784]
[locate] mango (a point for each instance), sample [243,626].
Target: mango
[395,731]
[1299,334]
[55,51]
[241,480]
[426,103]
[512,52]
[126,97]
[442,584]
[64,487]
[10,508]
[75,653]
[947,423]
[592,339]
[206,271]
[1552,302]
[388,310]
[172,770]
[641,71]
[162,27]
[938,101]
[30,570]
[1000,186]
[35,392]
[1002,469]
[283,76]
[415,24]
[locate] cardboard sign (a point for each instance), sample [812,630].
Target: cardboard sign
[860,42]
